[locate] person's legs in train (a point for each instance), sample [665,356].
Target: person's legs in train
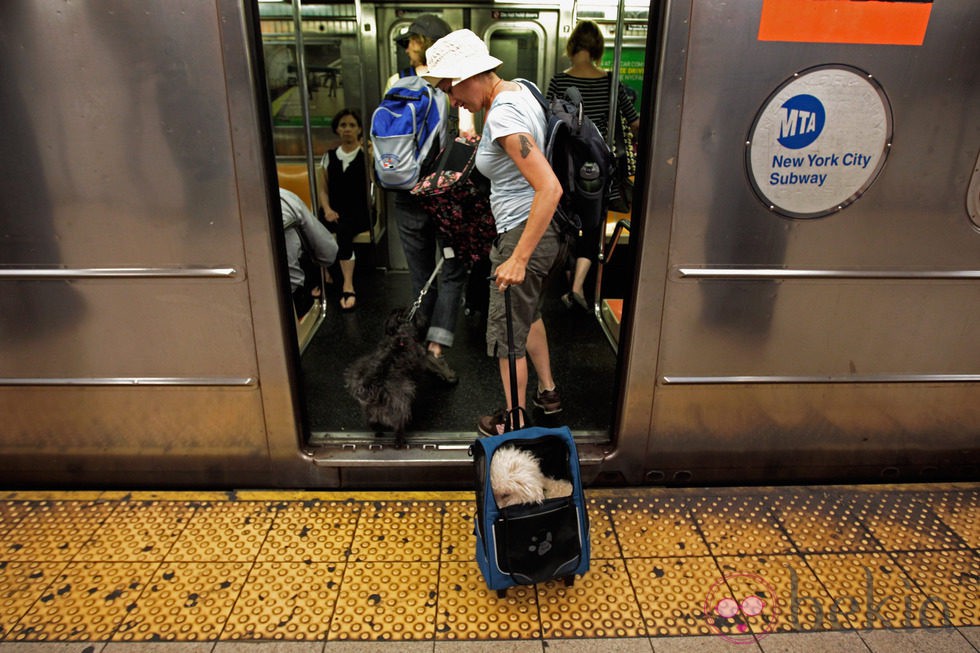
[440,305]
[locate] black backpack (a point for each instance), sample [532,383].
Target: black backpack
[580,158]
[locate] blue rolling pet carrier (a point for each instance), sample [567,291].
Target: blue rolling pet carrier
[528,543]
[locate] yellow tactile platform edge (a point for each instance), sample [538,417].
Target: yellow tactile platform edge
[254,565]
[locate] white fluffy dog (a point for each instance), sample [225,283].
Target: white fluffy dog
[516,477]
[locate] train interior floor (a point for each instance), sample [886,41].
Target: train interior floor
[820,568]
[579,350]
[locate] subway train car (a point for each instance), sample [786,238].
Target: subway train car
[794,297]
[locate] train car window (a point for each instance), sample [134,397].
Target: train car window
[329,69]
[520,48]
[325,91]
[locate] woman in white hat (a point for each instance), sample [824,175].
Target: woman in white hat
[524,193]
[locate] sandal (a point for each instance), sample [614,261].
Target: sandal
[345,296]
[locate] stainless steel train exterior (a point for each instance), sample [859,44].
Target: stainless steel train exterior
[793,313]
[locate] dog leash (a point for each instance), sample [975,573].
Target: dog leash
[418,301]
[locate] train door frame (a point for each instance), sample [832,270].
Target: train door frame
[357,458]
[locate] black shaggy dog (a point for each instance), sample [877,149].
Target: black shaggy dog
[384,381]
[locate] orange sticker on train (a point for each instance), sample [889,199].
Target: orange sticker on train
[879,22]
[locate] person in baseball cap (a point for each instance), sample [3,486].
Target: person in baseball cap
[429,28]
[415,226]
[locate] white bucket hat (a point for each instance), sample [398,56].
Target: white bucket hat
[457,56]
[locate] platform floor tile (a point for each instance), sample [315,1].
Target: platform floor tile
[138,531]
[185,601]
[227,531]
[774,593]
[822,522]
[725,569]
[467,610]
[458,543]
[671,593]
[51,530]
[386,601]
[960,511]
[903,523]
[398,530]
[288,600]
[86,601]
[869,591]
[653,527]
[948,585]
[311,531]
[600,604]
[937,640]
[741,525]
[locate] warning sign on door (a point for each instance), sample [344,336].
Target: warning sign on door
[882,22]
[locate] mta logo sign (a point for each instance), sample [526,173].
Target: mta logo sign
[801,119]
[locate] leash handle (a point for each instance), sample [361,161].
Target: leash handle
[512,422]
[513,413]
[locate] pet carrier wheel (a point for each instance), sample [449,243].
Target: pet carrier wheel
[569,581]
[501,594]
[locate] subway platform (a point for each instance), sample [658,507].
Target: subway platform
[881,568]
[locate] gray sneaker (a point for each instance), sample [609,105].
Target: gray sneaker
[438,366]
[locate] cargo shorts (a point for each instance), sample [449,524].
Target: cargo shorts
[527,298]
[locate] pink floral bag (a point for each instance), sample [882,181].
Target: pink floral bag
[457,197]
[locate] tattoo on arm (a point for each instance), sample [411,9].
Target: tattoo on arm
[525,146]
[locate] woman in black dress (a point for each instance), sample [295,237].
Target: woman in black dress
[342,189]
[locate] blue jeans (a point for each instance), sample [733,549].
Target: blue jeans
[442,302]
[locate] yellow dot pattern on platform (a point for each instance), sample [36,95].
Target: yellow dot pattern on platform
[360,567]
